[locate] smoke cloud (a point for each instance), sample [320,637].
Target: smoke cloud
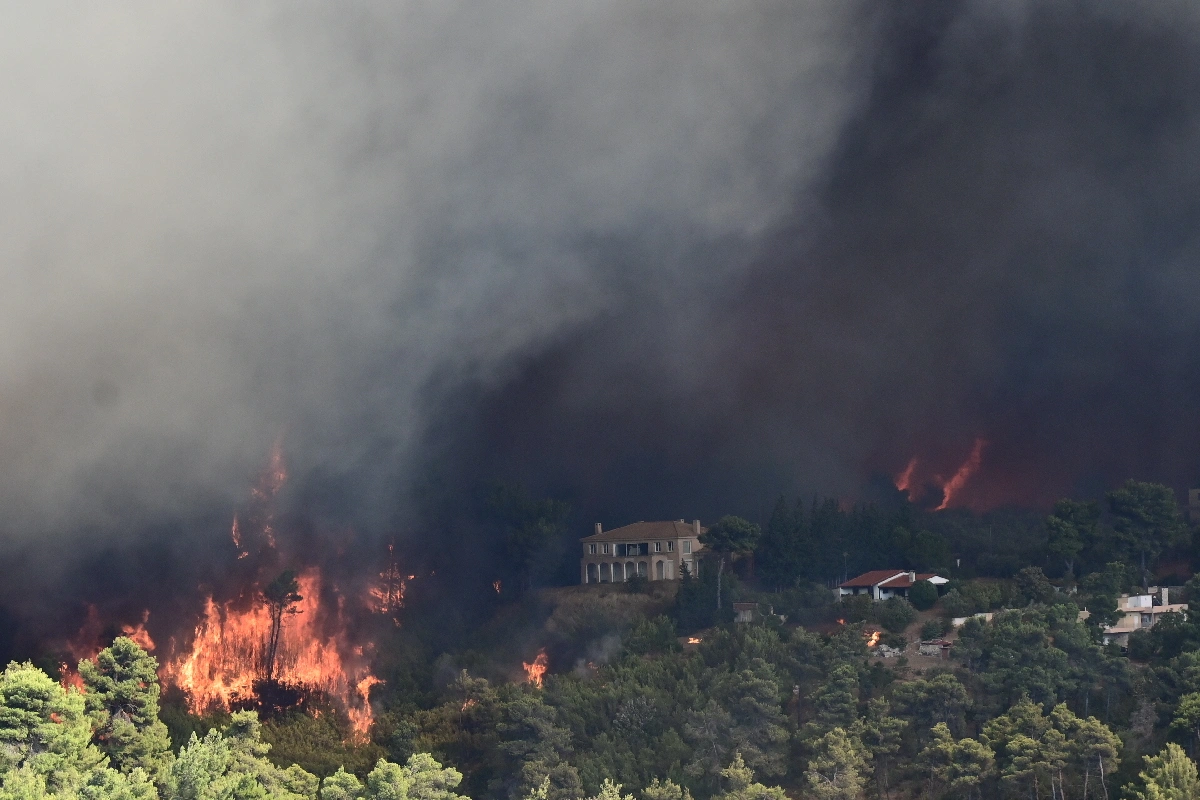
[665,260]
[223,227]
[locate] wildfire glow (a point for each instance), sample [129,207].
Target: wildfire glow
[968,468]
[90,640]
[873,639]
[139,634]
[226,656]
[387,595]
[904,481]
[496,585]
[694,640]
[535,672]
[909,482]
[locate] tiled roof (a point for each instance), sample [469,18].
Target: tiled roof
[645,532]
[872,578]
[891,578]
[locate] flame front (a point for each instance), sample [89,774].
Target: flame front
[968,468]
[228,649]
[873,639]
[535,672]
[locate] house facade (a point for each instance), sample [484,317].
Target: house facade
[657,551]
[1140,611]
[881,584]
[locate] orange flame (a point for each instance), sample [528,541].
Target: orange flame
[228,649]
[139,634]
[387,596]
[535,672]
[968,468]
[470,701]
[904,481]
[873,639]
[694,640]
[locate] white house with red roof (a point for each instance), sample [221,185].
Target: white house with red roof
[884,583]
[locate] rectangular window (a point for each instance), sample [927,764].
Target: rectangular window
[592,549]
[670,547]
[604,548]
[622,549]
[687,546]
[658,547]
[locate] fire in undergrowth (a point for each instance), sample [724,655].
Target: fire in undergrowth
[873,639]
[225,664]
[269,649]
[535,673]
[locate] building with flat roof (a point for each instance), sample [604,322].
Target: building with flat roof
[1141,611]
[657,551]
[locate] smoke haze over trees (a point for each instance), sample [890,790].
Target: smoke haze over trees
[662,261]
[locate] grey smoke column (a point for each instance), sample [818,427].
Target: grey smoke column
[224,224]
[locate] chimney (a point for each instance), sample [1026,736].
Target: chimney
[599,529]
[696,526]
[912,577]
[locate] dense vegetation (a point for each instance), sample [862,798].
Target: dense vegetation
[1030,704]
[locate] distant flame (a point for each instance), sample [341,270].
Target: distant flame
[873,639]
[535,672]
[470,701]
[387,595]
[235,533]
[904,481]
[907,480]
[496,585]
[841,622]
[694,640]
[968,468]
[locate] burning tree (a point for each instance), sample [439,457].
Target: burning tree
[281,597]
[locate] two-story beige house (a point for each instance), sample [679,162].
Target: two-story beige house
[658,551]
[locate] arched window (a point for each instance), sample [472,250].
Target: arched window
[630,569]
[593,573]
[618,573]
[605,573]
[643,568]
[660,571]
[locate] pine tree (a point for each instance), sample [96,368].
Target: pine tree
[121,698]
[1170,775]
[835,771]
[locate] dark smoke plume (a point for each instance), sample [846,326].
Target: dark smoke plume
[664,261]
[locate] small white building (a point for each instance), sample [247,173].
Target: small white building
[1140,611]
[884,583]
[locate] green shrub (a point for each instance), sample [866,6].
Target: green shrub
[935,629]
[857,608]
[923,595]
[895,614]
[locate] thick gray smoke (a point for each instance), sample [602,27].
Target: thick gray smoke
[1004,247]
[225,224]
[663,259]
